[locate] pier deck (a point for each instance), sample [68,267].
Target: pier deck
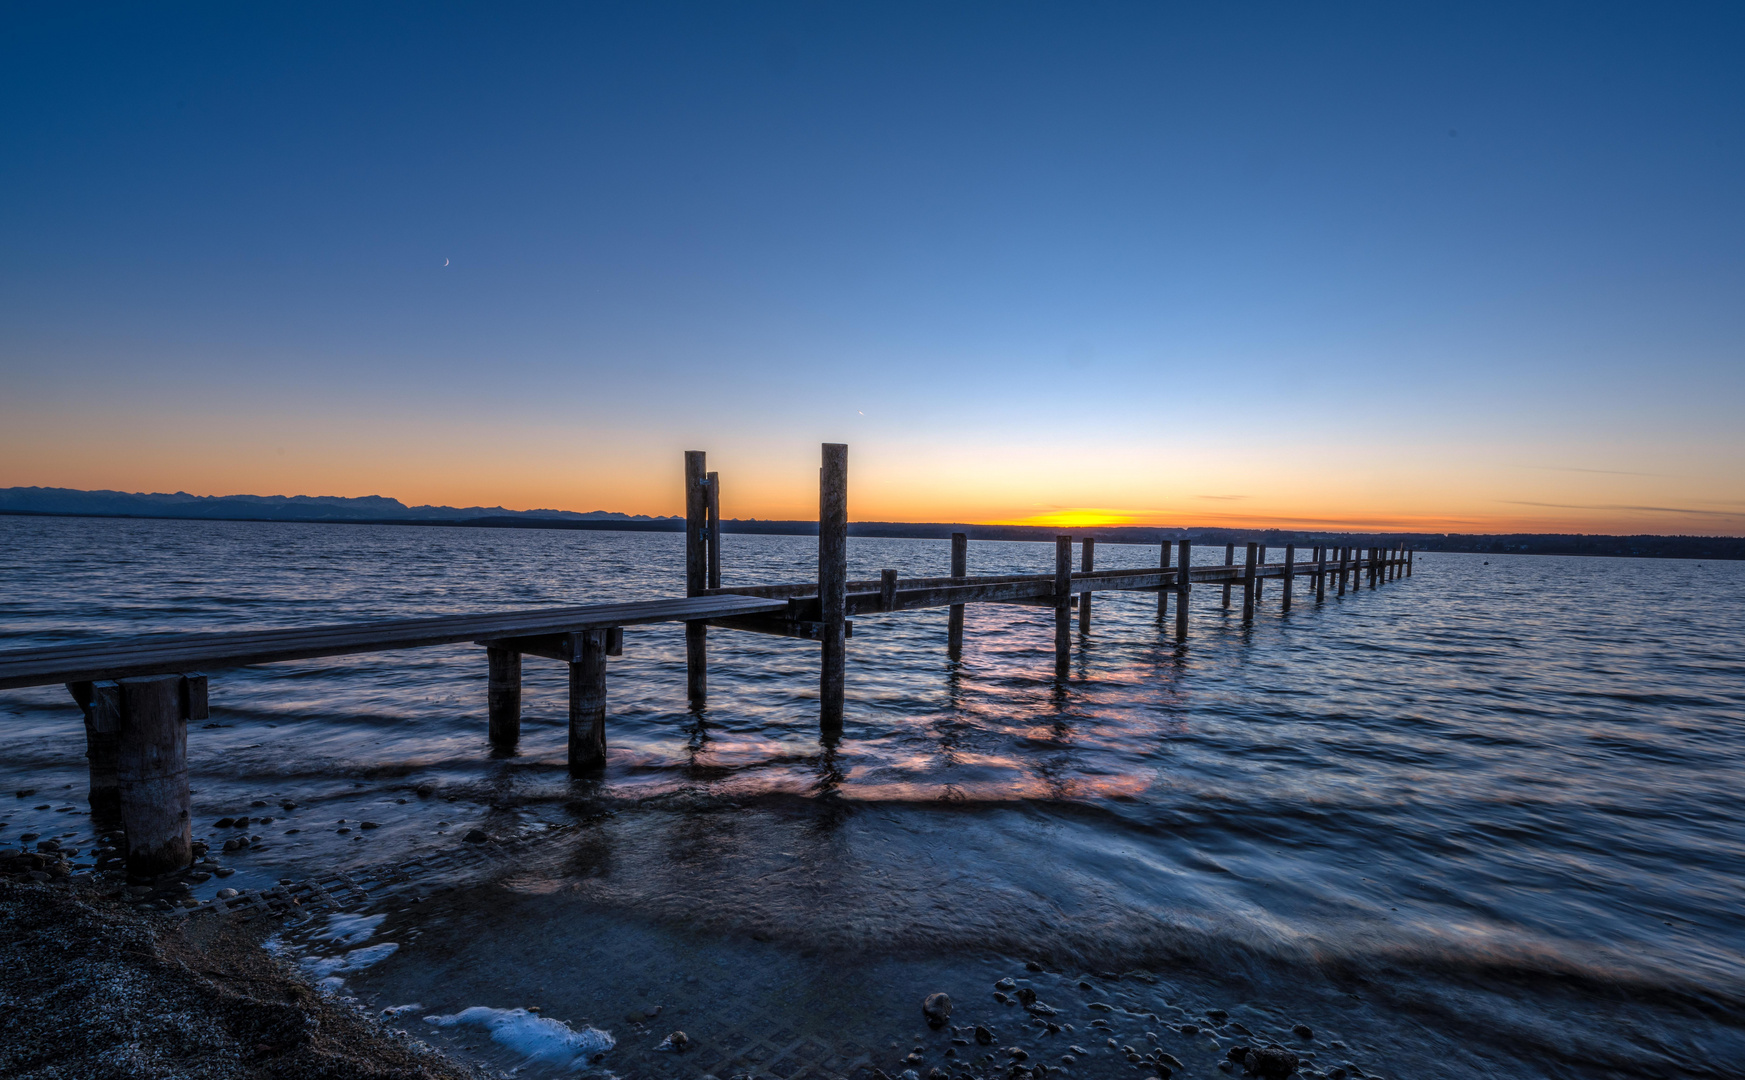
[137,693]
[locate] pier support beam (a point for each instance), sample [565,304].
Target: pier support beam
[713,481]
[1341,571]
[832,584]
[696,576]
[503,696]
[1410,555]
[588,702]
[1260,582]
[1290,575]
[1183,587]
[150,716]
[959,570]
[1229,560]
[102,743]
[1320,573]
[1062,606]
[1087,563]
[1248,581]
[1162,592]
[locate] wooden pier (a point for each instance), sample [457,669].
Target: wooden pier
[138,694]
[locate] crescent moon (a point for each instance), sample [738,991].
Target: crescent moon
[445,262]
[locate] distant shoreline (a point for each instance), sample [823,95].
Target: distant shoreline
[1641,546]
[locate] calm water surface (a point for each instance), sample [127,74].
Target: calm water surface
[1482,821]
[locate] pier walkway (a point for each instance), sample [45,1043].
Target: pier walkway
[137,694]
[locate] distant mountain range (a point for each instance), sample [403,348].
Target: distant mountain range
[42,500]
[376,509]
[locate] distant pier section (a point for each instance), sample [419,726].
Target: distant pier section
[138,695]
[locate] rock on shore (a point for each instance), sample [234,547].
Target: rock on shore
[92,990]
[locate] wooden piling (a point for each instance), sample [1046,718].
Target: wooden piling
[1320,573]
[1248,584]
[1062,606]
[696,576]
[1410,555]
[101,746]
[1163,592]
[1087,563]
[887,590]
[1290,575]
[1260,582]
[151,767]
[1183,586]
[588,703]
[1229,560]
[1342,558]
[832,584]
[959,570]
[503,696]
[714,526]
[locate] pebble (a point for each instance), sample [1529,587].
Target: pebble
[225,871]
[226,894]
[675,1042]
[369,825]
[1217,1016]
[27,837]
[241,822]
[1271,1063]
[1303,1031]
[937,1009]
[984,1036]
[1031,965]
[476,836]
[1006,984]
[1190,1029]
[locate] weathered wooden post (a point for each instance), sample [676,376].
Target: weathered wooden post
[1411,554]
[1087,562]
[587,701]
[1062,606]
[714,482]
[832,584]
[1229,560]
[1290,575]
[1183,586]
[1260,582]
[151,718]
[959,570]
[1342,555]
[1162,590]
[887,590]
[696,576]
[1248,585]
[1320,573]
[102,740]
[503,696]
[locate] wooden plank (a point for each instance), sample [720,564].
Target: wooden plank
[1087,563]
[959,571]
[714,526]
[832,585]
[587,742]
[163,654]
[503,696]
[1062,610]
[1183,588]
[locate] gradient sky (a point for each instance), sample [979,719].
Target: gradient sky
[1394,265]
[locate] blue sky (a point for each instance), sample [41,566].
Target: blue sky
[1476,266]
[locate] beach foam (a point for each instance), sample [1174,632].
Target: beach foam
[537,1037]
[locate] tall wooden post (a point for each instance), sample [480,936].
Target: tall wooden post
[151,766]
[887,589]
[959,570]
[102,743]
[696,576]
[503,696]
[1260,582]
[1162,591]
[1062,606]
[1343,551]
[588,701]
[1411,554]
[832,584]
[1320,573]
[1229,560]
[1087,562]
[714,530]
[1290,575]
[1183,586]
[1248,584]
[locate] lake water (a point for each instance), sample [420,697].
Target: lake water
[1484,821]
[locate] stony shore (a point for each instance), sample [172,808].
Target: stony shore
[91,989]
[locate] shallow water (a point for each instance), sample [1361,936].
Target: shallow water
[1482,821]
